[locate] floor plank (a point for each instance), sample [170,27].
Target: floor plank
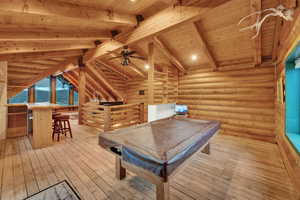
[236,169]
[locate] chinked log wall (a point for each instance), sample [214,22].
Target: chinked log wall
[165,89]
[242,100]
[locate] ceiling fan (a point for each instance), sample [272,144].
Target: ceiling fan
[126,55]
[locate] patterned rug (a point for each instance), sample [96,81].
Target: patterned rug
[59,191]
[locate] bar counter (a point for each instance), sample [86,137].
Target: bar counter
[39,122]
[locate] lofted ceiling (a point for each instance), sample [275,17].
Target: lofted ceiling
[39,38]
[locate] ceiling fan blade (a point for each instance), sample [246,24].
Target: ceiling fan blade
[138,57]
[114,58]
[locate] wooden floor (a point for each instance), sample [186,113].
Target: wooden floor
[236,169]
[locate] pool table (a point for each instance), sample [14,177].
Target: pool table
[156,150]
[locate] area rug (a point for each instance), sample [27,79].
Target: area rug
[59,191]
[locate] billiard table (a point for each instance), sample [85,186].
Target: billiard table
[156,150]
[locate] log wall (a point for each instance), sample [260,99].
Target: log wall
[242,100]
[165,89]
[3,99]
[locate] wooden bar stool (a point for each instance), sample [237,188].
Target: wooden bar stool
[61,126]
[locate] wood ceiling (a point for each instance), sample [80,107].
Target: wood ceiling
[40,38]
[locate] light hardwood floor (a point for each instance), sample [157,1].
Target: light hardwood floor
[236,169]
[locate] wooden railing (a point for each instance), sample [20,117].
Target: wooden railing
[108,118]
[66,108]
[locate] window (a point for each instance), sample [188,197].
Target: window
[75,98]
[22,97]
[42,90]
[292,99]
[62,92]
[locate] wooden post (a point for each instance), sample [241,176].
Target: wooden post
[142,113]
[206,149]
[151,73]
[71,96]
[162,191]
[31,94]
[81,88]
[53,89]
[107,118]
[3,99]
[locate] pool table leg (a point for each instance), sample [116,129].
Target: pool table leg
[206,149]
[120,171]
[162,191]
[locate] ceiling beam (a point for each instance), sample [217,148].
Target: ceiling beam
[74,82]
[42,75]
[23,69]
[43,35]
[96,86]
[67,10]
[164,49]
[101,76]
[30,65]
[39,55]
[107,95]
[137,70]
[132,66]
[46,62]
[205,47]
[41,46]
[99,62]
[255,6]
[172,17]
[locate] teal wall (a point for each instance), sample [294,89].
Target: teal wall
[292,99]
[292,91]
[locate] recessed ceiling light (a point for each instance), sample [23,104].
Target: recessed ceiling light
[194,57]
[132,0]
[147,66]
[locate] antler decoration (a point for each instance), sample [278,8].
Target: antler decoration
[280,11]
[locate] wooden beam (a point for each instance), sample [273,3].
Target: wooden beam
[255,6]
[43,46]
[99,62]
[105,94]
[23,57]
[137,70]
[164,49]
[72,76]
[89,85]
[12,68]
[53,89]
[133,67]
[151,73]
[101,76]
[81,92]
[205,47]
[52,36]
[46,62]
[42,75]
[172,18]
[31,65]
[70,11]
[74,82]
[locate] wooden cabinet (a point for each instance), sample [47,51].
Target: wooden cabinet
[17,121]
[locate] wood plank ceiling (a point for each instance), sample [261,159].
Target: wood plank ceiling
[39,38]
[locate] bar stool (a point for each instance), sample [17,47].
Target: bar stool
[61,126]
